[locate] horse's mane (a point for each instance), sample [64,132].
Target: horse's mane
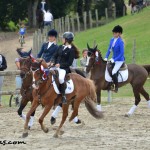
[100,55]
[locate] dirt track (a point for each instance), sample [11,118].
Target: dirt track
[114,132]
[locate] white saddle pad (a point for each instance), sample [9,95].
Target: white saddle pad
[122,77]
[69,89]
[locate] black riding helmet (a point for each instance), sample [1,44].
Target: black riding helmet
[118,29]
[68,36]
[52,32]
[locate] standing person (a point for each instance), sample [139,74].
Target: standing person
[117,47]
[63,59]
[48,18]
[49,48]
[3,66]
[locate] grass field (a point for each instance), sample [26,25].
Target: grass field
[135,27]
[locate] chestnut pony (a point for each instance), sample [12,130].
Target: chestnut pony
[44,94]
[137,77]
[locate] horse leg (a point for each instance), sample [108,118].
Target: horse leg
[136,92]
[64,116]
[146,96]
[45,112]
[98,93]
[22,106]
[30,124]
[35,104]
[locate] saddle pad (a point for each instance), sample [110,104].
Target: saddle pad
[122,77]
[69,89]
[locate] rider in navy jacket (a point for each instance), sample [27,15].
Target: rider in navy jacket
[49,48]
[117,47]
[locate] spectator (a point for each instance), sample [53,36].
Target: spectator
[84,59]
[3,66]
[48,18]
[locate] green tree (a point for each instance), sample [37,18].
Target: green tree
[11,10]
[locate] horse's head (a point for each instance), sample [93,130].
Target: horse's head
[25,62]
[95,58]
[40,73]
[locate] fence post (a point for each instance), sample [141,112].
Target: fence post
[109,99]
[60,28]
[90,19]
[72,24]
[106,14]
[34,44]
[78,22]
[124,10]
[85,20]
[63,26]
[96,13]
[134,51]
[115,12]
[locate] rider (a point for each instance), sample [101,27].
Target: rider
[49,48]
[117,46]
[63,59]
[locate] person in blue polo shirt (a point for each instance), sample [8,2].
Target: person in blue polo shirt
[117,47]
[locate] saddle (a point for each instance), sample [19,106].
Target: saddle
[56,84]
[110,67]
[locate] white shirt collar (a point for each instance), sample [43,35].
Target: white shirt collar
[50,44]
[67,46]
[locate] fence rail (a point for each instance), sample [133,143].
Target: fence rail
[73,23]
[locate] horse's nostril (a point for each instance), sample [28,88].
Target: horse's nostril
[22,74]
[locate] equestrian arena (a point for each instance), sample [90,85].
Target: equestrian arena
[114,131]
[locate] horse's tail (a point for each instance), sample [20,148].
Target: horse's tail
[147,67]
[90,102]
[78,71]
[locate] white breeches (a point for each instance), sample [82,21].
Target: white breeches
[117,66]
[61,73]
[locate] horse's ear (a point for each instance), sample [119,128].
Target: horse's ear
[96,47]
[29,53]
[19,52]
[42,68]
[88,46]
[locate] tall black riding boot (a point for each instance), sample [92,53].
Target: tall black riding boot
[115,79]
[62,90]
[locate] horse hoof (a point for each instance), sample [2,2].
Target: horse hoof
[46,130]
[79,121]
[55,135]
[24,135]
[29,127]
[61,132]
[127,115]
[53,120]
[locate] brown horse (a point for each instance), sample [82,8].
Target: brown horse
[137,77]
[26,88]
[44,94]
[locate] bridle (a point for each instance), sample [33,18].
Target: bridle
[96,61]
[25,69]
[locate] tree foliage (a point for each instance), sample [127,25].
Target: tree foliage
[11,10]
